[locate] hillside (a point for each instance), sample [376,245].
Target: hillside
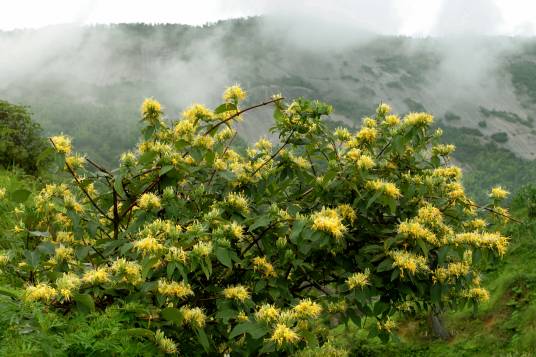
[85,82]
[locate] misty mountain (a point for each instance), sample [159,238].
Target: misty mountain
[88,82]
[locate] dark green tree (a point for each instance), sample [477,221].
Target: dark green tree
[21,143]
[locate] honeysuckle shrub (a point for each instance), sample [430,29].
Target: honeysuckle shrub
[260,251]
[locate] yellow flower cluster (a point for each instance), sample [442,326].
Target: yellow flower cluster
[283,334]
[177,255]
[40,292]
[307,309]
[358,280]
[264,144]
[498,193]
[194,317]
[175,289]
[451,272]
[415,230]
[149,201]
[418,119]
[225,134]
[494,241]
[369,122]
[204,141]
[148,245]
[388,325]
[75,162]
[451,172]
[128,159]
[96,276]
[202,249]
[342,134]
[2,193]
[267,313]
[234,94]
[388,188]
[329,221]
[263,265]
[184,129]
[130,272]
[164,343]
[392,120]
[62,254]
[383,109]
[238,201]
[4,259]
[477,293]
[409,261]
[67,285]
[151,110]
[347,212]
[197,112]
[367,135]
[443,149]
[62,144]
[237,292]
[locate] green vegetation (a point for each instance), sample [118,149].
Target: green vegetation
[189,245]
[21,144]
[509,117]
[500,137]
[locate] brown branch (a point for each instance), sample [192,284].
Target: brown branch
[240,112]
[100,168]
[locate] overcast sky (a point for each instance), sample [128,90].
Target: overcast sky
[406,17]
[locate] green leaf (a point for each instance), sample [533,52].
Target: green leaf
[255,330]
[203,339]
[141,332]
[84,302]
[224,108]
[172,314]
[262,221]
[32,258]
[385,265]
[224,256]
[19,196]
[9,292]
[297,228]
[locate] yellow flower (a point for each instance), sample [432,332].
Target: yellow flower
[234,94]
[478,294]
[342,134]
[149,201]
[204,141]
[96,276]
[365,162]
[41,292]
[75,162]
[388,188]
[242,317]
[430,215]
[238,201]
[128,159]
[409,261]
[353,154]
[177,255]
[369,122]
[184,129]
[498,193]
[225,134]
[2,193]
[67,285]
[202,249]
[387,326]
[443,149]
[383,109]
[4,259]
[63,253]
[148,245]
[130,272]
[367,135]
[392,120]
[416,231]
[164,343]
[62,144]
[262,264]
[151,110]
[179,290]
[347,212]
[237,292]
[418,119]
[264,144]
[282,334]
[452,172]
[307,309]
[358,280]
[198,112]
[267,313]
[329,221]
[195,317]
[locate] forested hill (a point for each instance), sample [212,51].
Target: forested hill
[85,82]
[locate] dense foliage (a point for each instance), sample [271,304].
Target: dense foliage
[215,250]
[21,143]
